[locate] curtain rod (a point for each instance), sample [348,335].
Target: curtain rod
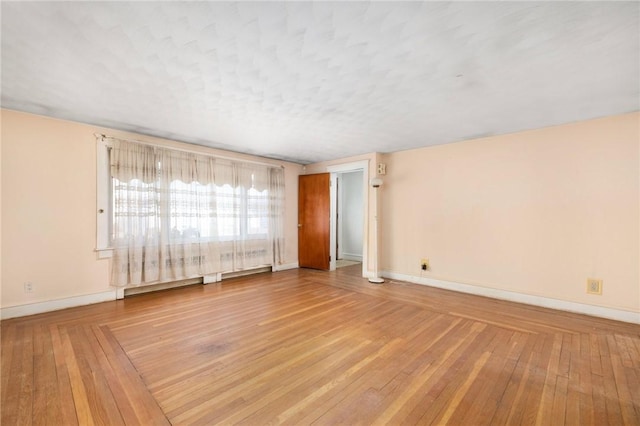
[222,157]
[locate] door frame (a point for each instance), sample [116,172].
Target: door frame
[334,170]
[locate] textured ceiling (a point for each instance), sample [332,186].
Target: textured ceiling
[315,81]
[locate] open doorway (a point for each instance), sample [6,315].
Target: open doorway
[355,170]
[349,218]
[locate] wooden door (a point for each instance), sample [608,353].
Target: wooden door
[314,216]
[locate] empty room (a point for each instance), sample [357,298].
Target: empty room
[358,213]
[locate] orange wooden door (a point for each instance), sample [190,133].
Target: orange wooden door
[314,221]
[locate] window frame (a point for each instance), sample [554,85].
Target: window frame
[104,205]
[103,199]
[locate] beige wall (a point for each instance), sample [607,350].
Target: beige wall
[48,169]
[1,211]
[536,212]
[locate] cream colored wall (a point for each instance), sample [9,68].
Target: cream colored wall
[536,212]
[1,211]
[48,210]
[48,169]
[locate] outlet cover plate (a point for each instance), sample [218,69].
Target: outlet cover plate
[424,261]
[594,286]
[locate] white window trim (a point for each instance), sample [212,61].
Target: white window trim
[103,202]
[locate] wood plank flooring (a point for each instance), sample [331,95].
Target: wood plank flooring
[307,347]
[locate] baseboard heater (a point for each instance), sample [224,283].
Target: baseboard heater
[208,279]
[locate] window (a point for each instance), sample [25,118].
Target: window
[161,208]
[257,213]
[123,195]
[223,212]
[188,222]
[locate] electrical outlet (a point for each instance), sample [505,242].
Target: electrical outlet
[28,287]
[594,286]
[424,264]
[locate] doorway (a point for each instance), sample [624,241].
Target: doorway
[349,218]
[362,170]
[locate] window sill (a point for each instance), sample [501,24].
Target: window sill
[104,253]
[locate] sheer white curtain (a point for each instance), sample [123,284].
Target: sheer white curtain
[276,214]
[179,215]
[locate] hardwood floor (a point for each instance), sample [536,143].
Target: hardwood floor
[306,347]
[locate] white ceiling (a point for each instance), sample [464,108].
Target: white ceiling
[309,81]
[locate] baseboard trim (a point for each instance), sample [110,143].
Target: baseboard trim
[54,305]
[352,257]
[150,288]
[245,272]
[598,311]
[545,302]
[89,299]
[284,267]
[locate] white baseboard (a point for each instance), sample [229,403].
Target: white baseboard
[352,257]
[563,305]
[71,302]
[212,278]
[598,311]
[54,305]
[284,267]
[150,288]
